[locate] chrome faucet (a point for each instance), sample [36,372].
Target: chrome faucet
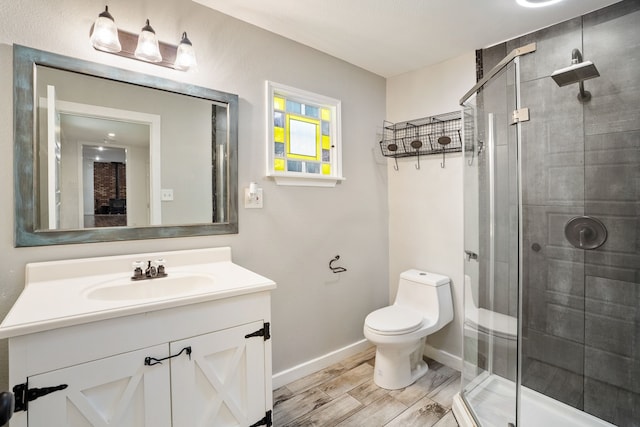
[153,270]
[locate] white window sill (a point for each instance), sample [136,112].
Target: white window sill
[306,180]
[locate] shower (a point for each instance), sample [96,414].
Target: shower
[577,72]
[551,291]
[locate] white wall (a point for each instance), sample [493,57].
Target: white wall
[425,206]
[299,230]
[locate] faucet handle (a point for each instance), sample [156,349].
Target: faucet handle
[137,269]
[160,265]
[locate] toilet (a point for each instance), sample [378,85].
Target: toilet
[422,306]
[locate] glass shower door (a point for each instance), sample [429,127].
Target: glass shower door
[491,212]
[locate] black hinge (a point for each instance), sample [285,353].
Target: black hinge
[24,395]
[264,332]
[266,421]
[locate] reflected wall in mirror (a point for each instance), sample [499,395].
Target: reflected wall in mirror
[106,154]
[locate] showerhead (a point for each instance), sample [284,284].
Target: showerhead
[575,73]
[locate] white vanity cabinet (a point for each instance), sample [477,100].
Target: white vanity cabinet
[195,356]
[117,390]
[223,384]
[221,380]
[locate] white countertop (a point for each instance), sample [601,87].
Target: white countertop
[62,301]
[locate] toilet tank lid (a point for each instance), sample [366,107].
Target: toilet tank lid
[425,277]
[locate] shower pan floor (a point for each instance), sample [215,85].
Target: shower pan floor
[493,400]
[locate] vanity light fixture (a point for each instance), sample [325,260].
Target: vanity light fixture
[537,3]
[186,56]
[148,48]
[105,33]
[106,37]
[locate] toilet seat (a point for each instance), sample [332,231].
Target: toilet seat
[394,320]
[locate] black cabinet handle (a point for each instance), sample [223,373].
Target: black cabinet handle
[150,361]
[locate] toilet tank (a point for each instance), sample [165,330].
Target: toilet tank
[428,293]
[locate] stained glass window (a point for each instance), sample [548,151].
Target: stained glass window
[304,136]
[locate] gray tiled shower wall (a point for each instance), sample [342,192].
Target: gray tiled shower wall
[581,309]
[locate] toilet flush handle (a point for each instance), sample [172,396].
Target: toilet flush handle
[471,255]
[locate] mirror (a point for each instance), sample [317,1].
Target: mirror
[104,154]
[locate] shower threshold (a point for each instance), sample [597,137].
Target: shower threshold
[493,402]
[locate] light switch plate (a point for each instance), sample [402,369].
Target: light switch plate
[256,202]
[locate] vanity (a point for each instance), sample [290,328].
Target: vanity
[88,346]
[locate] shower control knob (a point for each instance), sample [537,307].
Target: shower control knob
[585,232]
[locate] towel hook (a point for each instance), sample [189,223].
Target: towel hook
[393,147]
[443,140]
[336,269]
[416,143]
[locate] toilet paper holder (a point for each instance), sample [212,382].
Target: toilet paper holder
[336,269]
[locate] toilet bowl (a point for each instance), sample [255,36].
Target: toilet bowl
[422,306]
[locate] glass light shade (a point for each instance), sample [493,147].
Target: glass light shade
[105,33]
[537,3]
[148,48]
[186,55]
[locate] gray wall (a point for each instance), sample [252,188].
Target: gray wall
[581,308]
[300,229]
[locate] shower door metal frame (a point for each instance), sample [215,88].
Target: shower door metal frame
[512,57]
[515,53]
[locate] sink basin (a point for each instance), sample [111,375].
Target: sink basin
[166,287]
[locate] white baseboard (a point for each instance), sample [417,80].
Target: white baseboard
[448,359]
[289,375]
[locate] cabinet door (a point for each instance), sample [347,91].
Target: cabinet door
[223,382]
[115,391]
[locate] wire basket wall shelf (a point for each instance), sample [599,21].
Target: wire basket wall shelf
[422,137]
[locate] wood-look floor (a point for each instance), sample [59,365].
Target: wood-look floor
[344,394]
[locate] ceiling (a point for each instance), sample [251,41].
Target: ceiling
[392,37]
[95,130]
